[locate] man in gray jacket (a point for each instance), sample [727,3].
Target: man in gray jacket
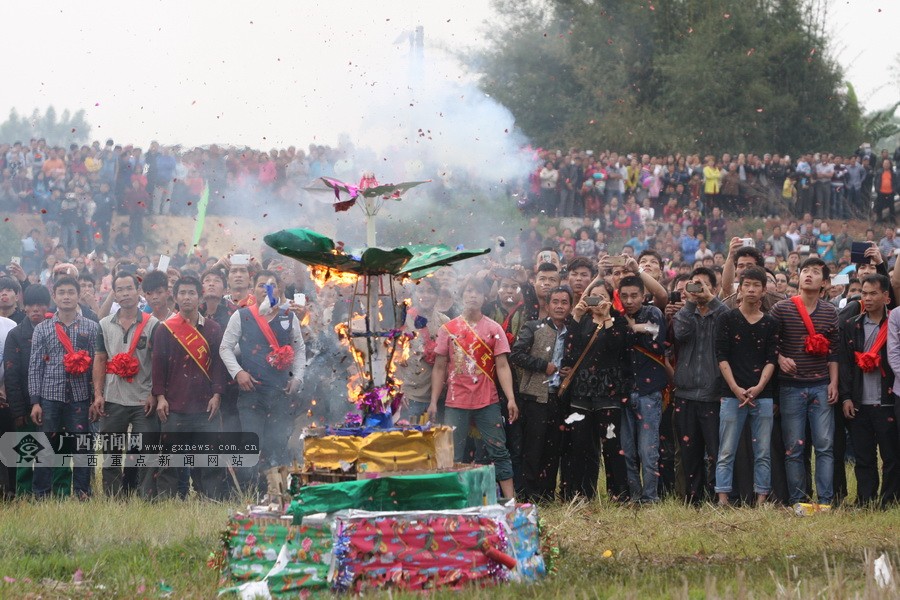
[697,384]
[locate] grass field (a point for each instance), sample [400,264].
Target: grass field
[104,549]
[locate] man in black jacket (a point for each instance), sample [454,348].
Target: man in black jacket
[539,351]
[16,354]
[865,382]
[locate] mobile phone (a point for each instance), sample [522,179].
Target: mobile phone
[617,261]
[593,300]
[300,299]
[841,279]
[747,242]
[545,257]
[240,259]
[129,268]
[858,253]
[163,263]
[16,260]
[803,249]
[674,297]
[694,287]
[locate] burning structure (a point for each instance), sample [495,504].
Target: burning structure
[374,332]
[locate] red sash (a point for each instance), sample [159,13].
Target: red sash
[191,340]
[281,357]
[617,302]
[472,346]
[74,362]
[816,343]
[250,300]
[124,364]
[871,360]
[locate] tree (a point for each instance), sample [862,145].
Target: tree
[64,130]
[664,75]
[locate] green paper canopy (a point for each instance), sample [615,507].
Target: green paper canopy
[314,249]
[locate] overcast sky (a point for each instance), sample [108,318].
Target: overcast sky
[282,73]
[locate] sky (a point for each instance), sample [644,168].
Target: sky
[293,72]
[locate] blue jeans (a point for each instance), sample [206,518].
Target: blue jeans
[71,417]
[489,423]
[731,425]
[640,444]
[799,404]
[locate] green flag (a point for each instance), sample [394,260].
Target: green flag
[201,215]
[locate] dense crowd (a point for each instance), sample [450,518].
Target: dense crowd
[648,333]
[826,185]
[78,190]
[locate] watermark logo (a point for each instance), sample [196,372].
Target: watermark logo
[28,449]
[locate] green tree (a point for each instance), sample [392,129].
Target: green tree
[670,74]
[63,130]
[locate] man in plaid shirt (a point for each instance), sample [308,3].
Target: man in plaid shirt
[61,395]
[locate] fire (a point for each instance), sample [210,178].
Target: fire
[324,275]
[358,381]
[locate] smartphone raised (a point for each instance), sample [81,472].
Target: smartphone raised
[858,253]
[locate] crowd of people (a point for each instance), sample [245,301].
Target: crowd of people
[640,344]
[716,383]
[826,185]
[78,190]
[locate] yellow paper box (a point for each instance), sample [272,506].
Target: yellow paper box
[408,450]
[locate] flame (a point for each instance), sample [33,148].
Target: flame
[358,381]
[323,275]
[305,320]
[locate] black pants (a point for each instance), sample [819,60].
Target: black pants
[668,453]
[874,429]
[839,449]
[581,464]
[882,202]
[540,446]
[7,474]
[697,428]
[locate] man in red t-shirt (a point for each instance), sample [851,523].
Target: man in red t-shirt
[475,348]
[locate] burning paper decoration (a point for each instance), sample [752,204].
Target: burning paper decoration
[375,341]
[317,250]
[368,188]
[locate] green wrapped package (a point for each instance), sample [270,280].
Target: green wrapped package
[254,545]
[463,487]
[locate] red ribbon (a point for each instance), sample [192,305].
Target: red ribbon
[281,357]
[816,343]
[74,362]
[871,360]
[124,364]
[617,302]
